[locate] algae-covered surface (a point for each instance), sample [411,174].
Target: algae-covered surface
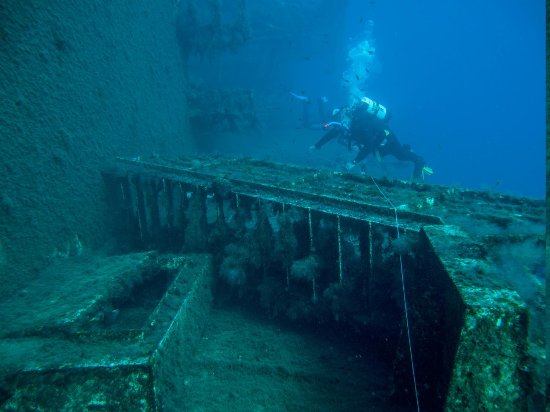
[476,211]
[487,315]
[308,311]
[104,334]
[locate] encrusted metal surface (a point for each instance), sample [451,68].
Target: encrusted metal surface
[346,194]
[106,334]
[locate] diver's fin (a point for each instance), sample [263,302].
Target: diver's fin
[426,170]
[299,97]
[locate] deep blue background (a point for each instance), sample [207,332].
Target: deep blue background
[465,80]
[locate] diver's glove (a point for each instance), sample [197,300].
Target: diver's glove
[426,170]
[350,165]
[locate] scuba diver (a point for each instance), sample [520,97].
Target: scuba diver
[364,125]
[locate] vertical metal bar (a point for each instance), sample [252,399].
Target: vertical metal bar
[310,230]
[311,250]
[340,273]
[371,264]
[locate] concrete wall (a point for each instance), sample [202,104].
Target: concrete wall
[80,83]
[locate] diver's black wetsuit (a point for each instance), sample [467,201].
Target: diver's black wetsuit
[371,135]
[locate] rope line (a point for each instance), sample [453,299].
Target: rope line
[404,295]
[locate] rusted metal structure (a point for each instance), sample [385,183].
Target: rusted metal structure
[308,245]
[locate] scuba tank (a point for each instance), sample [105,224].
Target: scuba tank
[376,109]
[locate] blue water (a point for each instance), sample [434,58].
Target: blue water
[465,80]
[466,83]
